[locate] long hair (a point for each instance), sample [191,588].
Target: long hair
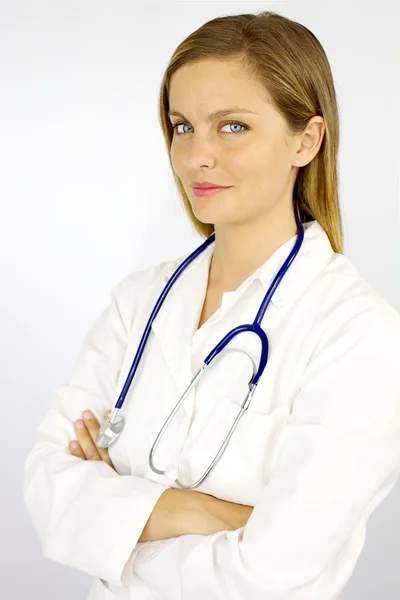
[291,64]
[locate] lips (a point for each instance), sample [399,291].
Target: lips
[209,191]
[207,185]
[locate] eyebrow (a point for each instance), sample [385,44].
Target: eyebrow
[216,114]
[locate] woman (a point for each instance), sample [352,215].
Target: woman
[283,514]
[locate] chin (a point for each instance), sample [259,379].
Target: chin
[209,212]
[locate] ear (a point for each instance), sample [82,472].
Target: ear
[309,142]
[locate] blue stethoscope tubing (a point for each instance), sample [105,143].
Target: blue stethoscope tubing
[111,429]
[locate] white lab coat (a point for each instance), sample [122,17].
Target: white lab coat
[317,451]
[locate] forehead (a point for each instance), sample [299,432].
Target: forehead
[216,83]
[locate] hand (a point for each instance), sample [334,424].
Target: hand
[86,448]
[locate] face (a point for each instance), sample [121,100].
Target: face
[259,158]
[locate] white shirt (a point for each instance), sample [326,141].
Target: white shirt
[316,452]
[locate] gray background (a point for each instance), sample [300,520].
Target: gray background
[78,127]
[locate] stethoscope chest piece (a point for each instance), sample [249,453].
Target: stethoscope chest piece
[110,430]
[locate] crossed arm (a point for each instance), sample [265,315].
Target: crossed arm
[181,512]
[177,512]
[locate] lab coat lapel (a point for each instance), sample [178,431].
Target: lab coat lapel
[177,321]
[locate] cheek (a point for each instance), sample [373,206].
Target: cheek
[265,168]
[252,161]
[178,156]
[176,163]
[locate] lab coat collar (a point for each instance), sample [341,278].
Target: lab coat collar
[175,327]
[316,246]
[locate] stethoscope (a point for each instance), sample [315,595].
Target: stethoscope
[111,429]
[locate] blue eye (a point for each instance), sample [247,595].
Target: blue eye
[246,127]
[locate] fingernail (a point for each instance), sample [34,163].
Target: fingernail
[74,445]
[80,424]
[87,414]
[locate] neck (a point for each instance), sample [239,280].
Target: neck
[241,250]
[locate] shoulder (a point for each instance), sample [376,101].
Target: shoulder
[354,313]
[134,289]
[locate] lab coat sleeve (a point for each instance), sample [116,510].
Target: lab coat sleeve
[88,516]
[335,460]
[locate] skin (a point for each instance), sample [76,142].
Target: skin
[86,437]
[255,216]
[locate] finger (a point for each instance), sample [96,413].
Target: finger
[93,427]
[85,440]
[76,451]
